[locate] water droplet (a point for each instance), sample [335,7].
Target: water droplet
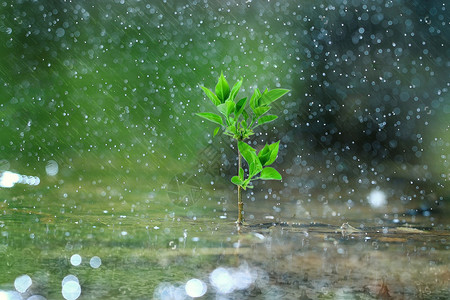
[195,288]
[95,262]
[71,289]
[60,32]
[222,280]
[51,168]
[10,295]
[377,199]
[75,260]
[22,283]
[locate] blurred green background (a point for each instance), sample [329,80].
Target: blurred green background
[111,87]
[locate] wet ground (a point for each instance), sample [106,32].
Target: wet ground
[143,245]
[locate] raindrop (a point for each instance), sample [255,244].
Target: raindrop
[222,280]
[10,295]
[69,278]
[195,288]
[22,283]
[75,260]
[60,32]
[95,262]
[51,168]
[71,290]
[377,199]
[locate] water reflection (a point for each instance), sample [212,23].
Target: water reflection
[377,199]
[9,179]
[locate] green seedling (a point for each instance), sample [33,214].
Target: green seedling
[238,119]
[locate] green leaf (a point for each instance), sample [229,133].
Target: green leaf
[216,131]
[222,89]
[273,153]
[245,184]
[235,89]
[244,125]
[270,96]
[269,173]
[241,174]
[245,114]
[222,108]
[259,111]
[247,152]
[240,106]
[266,119]
[232,129]
[231,106]
[264,154]
[211,117]
[237,181]
[211,96]
[226,108]
[254,99]
[255,167]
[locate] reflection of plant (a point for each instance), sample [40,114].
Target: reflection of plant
[238,121]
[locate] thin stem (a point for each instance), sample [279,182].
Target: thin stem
[240,219]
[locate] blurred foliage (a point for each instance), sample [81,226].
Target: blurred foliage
[118,83]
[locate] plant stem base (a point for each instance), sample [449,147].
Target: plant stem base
[240,219]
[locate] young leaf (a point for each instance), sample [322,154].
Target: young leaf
[216,131]
[269,173]
[254,99]
[240,106]
[266,119]
[273,153]
[270,96]
[222,89]
[245,114]
[226,108]
[211,117]
[245,185]
[231,106]
[222,108]
[236,180]
[264,154]
[232,129]
[255,167]
[235,89]
[244,125]
[241,174]
[211,96]
[247,152]
[259,111]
